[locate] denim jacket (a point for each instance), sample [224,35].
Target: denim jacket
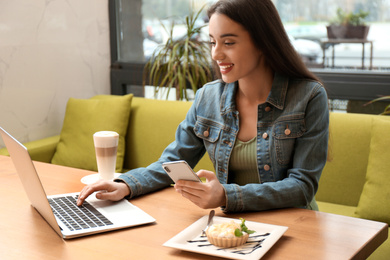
[292,141]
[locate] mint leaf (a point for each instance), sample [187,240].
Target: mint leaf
[244,228]
[238,233]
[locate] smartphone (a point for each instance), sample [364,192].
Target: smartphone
[180,170]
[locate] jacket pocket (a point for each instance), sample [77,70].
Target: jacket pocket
[209,132]
[285,134]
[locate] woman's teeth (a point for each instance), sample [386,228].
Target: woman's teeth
[226,66]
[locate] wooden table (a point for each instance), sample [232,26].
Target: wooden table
[25,235]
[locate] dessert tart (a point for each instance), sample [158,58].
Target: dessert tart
[230,234]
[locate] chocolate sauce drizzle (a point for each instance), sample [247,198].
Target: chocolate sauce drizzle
[254,242]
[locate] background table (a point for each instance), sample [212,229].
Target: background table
[25,235]
[333,42]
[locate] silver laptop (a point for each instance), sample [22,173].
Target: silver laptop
[61,211]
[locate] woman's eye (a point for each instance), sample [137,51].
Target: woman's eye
[211,43]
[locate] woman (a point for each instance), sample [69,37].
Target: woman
[264,124]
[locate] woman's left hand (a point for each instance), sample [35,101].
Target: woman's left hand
[210,194]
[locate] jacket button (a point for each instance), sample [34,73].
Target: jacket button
[267,167]
[206,133]
[267,109]
[287,131]
[265,135]
[227,142]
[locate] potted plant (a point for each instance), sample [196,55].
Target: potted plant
[348,25]
[180,63]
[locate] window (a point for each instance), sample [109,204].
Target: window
[136,30]
[137,27]
[307,20]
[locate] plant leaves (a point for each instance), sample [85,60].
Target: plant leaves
[182,62]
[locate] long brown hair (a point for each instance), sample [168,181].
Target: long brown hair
[261,19]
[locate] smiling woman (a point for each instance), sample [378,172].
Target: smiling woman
[266,102]
[275,48]
[233,49]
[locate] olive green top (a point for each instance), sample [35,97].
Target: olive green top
[243,163]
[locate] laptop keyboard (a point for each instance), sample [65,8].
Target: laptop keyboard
[75,217]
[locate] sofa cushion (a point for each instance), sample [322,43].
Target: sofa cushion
[152,128]
[343,177]
[85,117]
[375,198]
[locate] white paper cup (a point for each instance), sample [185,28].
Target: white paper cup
[106,145]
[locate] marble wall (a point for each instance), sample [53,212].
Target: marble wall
[50,50]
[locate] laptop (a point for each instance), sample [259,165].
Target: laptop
[61,211]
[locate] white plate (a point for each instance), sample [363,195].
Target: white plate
[92,178]
[258,243]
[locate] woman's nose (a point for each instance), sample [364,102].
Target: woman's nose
[216,53]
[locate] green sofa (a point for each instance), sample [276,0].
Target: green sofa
[152,126]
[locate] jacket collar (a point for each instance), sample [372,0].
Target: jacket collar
[228,101]
[276,97]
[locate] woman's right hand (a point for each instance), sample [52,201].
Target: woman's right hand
[106,190]
[210,194]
